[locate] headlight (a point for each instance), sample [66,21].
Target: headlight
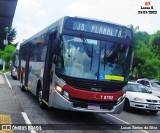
[59,89]
[138,99]
[63,92]
[14,69]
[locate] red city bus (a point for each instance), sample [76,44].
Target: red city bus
[78,64]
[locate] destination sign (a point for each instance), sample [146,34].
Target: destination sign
[99,28]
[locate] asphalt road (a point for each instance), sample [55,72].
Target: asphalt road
[70,122]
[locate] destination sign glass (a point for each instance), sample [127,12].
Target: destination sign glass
[100,28]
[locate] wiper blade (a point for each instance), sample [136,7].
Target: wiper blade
[105,55]
[85,46]
[109,53]
[89,53]
[91,58]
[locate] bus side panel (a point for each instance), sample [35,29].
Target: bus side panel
[36,64]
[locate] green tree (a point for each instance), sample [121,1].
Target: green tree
[155,43]
[134,30]
[6,55]
[146,62]
[10,33]
[140,42]
[141,37]
[146,55]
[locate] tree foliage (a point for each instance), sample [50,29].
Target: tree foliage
[155,43]
[146,62]
[10,33]
[6,55]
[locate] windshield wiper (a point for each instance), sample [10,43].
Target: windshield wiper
[104,60]
[88,52]
[108,53]
[85,46]
[91,58]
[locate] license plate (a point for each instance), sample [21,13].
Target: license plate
[93,107]
[151,106]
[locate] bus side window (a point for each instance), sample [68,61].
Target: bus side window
[43,54]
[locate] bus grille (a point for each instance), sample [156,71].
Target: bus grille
[92,85]
[84,104]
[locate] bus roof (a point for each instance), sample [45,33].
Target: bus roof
[56,25]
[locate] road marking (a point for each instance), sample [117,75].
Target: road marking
[125,122]
[27,120]
[1,79]
[8,80]
[5,119]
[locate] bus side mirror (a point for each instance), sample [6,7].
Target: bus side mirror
[56,42]
[132,56]
[54,58]
[56,46]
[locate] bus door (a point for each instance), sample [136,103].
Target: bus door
[24,63]
[48,68]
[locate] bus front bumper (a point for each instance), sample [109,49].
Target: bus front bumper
[60,102]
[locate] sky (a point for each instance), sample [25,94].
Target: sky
[32,16]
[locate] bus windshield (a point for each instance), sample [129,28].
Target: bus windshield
[92,59]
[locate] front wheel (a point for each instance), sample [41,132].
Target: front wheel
[126,105]
[154,111]
[22,85]
[41,103]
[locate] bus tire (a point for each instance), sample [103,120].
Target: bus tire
[22,86]
[40,101]
[14,77]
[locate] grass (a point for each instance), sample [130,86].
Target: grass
[3,71]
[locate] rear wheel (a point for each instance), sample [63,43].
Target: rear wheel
[41,103]
[22,85]
[126,105]
[153,111]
